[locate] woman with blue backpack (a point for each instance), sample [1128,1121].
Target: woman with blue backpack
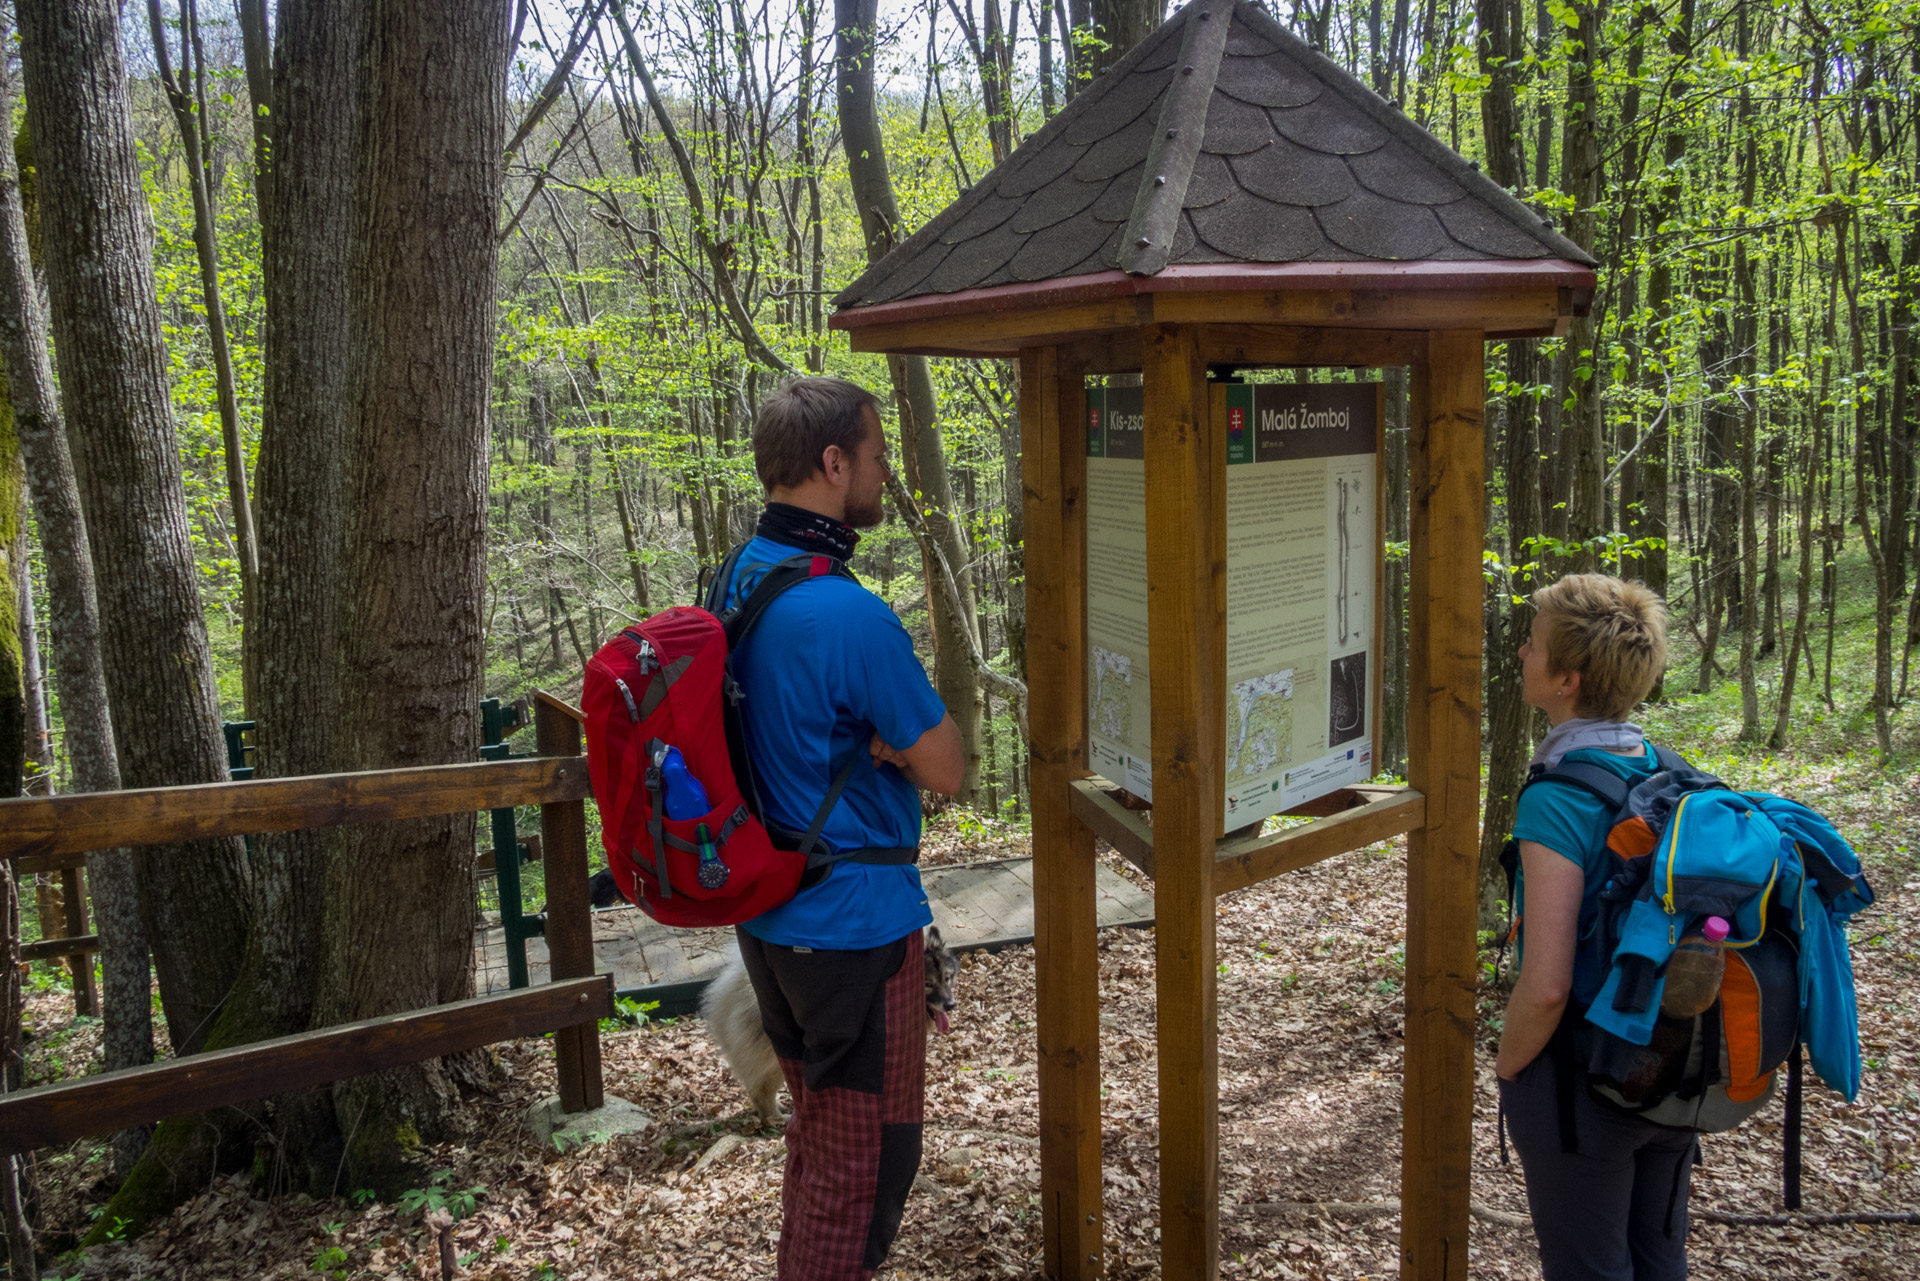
[1614,1207]
[1682,944]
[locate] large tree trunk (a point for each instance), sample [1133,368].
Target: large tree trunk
[921,448]
[106,326]
[126,999]
[1120,25]
[307,100]
[398,930]
[303,432]
[311,115]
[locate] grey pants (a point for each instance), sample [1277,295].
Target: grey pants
[1616,1209]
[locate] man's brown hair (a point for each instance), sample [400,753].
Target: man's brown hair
[1612,632]
[795,424]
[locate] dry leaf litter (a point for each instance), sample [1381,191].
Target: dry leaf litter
[1310,1018]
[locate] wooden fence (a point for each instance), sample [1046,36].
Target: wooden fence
[50,830]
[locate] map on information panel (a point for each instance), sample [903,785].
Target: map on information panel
[1112,695]
[1259,726]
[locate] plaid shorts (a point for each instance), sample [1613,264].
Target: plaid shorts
[850,1029]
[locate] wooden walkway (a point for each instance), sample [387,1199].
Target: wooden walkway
[978,907]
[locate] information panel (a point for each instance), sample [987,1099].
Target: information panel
[1303,552]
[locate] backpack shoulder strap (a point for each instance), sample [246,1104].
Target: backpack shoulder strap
[785,574]
[1596,781]
[712,591]
[1669,759]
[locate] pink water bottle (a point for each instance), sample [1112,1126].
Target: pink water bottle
[1695,970]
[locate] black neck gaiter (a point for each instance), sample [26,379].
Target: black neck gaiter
[810,531]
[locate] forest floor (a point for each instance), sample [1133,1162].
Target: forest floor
[1311,966]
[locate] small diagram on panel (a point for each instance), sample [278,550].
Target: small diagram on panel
[1346,698]
[1259,725]
[1112,695]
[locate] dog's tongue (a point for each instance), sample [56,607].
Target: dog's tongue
[940,1020]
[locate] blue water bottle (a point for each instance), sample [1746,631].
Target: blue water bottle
[686,799]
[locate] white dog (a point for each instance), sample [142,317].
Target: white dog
[732,1013]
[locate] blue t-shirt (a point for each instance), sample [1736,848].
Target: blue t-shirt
[826,668]
[1572,822]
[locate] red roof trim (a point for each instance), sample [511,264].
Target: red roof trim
[1223,278]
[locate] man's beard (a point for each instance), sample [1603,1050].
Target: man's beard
[865,513]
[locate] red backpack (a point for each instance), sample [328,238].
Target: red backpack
[665,683]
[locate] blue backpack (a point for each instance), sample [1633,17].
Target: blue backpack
[1684,847]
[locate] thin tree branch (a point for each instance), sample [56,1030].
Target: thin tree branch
[1013,690]
[717,253]
[550,92]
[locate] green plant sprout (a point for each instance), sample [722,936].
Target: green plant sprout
[437,1196]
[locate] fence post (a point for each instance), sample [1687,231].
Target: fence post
[515,926]
[563,834]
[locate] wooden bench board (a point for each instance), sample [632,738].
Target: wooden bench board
[978,907]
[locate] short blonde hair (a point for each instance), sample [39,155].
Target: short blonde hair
[1610,631]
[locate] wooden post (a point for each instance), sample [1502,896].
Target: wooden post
[1186,485]
[1445,592]
[563,835]
[1053,469]
[74,891]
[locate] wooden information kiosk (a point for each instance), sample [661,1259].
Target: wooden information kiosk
[1225,196]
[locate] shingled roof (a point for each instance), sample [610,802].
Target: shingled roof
[1221,139]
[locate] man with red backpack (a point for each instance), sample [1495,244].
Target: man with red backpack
[841,727]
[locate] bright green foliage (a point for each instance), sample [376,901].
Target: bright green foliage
[624,386]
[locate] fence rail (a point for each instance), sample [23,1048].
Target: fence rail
[47,826]
[56,1114]
[57,828]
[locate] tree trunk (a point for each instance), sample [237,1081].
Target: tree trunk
[39,730]
[922,450]
[1746,345]
[1509,741]
[126,998]
[1873,541]
[1656,454]
[1718,513]
[303,432]
[1582,437]
[14,550]
[13,756]
[291,624]
[398,932]
[1627,509]
[113,387]
[21,1262]
[1809,484]
[1119,25]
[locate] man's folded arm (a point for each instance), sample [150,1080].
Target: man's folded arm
[935,762]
